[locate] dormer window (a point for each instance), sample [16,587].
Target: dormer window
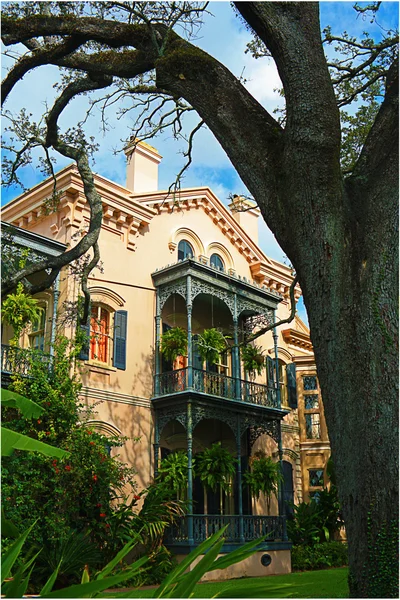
[217,262]
[185,250]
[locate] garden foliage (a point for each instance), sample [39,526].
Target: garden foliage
[319,556]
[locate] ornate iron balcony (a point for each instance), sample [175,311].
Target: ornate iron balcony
[18,360]
[215,384]
[254,527]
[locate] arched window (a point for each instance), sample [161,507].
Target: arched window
[100,334]
[217,262]
[185,250]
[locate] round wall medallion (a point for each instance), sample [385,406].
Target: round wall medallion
[266,560]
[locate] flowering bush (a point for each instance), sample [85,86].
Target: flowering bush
[78,492]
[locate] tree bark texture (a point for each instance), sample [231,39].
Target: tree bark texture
[341,235]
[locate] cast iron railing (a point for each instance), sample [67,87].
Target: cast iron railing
[254,527]
[19,360]
[215,384]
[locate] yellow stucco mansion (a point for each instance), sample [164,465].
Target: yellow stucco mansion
[193,264]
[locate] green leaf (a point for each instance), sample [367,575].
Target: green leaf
[9,558]
[18,586]
[239,554]
[48,586]
[11,440]
[87,590]
[8,528]
[85,575]
[28,408]
[186,586]
[182,566]
[121,554]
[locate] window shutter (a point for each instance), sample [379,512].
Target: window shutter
[291,384]
[84,353]
[120,330]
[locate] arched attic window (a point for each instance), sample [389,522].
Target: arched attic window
[217,262]
[185,250]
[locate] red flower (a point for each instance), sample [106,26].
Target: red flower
[90,432]
[107,526]
[48,433]
[136,497]
[94,478]
[103,514]
[98,505]
[48,403]
[91,443]
[67,467]
[39,421]
[57,470]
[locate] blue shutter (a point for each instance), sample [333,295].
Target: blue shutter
[84,353]
[120,330]
[291,384]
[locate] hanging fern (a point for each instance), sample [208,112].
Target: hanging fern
[174,343]
[211,343]
[253,359]
[216,466]
[173,472]
[19,309]
[264,476]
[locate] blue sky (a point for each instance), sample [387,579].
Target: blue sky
[223,36]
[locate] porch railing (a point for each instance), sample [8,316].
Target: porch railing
[254,527]
[215,384]
[19,360]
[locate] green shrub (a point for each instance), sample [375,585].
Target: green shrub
[76,492]
[319,556]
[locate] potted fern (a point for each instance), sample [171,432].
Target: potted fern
[173,473]
[253,359]
[174,343]
[263,477]
[211,343]
[216,467]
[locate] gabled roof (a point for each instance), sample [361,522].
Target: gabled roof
[123,209]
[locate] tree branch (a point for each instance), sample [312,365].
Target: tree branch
[283,321]
[38,58]
[93,198]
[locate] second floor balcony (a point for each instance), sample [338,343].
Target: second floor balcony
[215,384]
[18,361]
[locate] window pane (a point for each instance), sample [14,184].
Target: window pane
[185,250]
[313,427]
[315,496]
[311,401]
[316,477]
[216,261]
[99,340]
[310,382]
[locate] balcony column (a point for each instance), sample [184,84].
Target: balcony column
[156,445]
[189,330]
[56,295]
[236,354]
[189,433]
[278,387]
[157,349]
[239,479]
[281,504]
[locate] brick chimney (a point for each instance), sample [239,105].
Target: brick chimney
[142,167]
[246,213]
